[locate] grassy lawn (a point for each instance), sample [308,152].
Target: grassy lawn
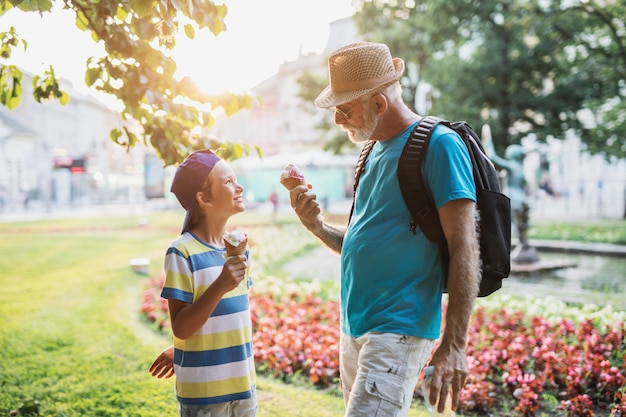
[597,231]
[71,337]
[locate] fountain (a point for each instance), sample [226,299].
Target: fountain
[524,257]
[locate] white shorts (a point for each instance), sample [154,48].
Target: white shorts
[239,408]
[379,371]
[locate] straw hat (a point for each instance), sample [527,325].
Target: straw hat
[358,69]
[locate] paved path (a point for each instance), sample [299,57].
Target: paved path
[320,263]
[323,264]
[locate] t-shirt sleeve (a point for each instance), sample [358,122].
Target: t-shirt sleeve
[178,276]
[447,168]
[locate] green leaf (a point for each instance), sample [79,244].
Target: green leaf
[34,5]
[91,76]
[190,31]
[81,21]
[142,7]
[115,134]
[5,6]
[64,98]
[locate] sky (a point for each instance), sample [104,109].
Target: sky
[260,35]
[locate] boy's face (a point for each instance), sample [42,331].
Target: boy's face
[225,193]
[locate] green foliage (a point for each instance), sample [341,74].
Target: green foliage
[48,88]
[10,75]
[174,114]
[592,231]
[523,67]
[310,86]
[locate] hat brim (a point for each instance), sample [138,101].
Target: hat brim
[328,98]
[188,216]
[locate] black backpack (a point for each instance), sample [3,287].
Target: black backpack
[493,206]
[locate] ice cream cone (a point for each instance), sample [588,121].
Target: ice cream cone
[235,243]
[232,250]
[291,182]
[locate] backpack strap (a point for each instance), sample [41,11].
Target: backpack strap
[360,165]
[416,196]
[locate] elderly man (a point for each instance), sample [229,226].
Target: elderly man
[392,280]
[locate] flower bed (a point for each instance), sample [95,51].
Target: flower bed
[528,355]
[531,352]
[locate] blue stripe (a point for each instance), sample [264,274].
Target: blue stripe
[218,400]
[231,305]
[177,294]
[213,357]
[206,260]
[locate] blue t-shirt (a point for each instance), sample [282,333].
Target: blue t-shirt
[392,280]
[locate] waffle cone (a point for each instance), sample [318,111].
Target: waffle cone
[232,250]
[291,182]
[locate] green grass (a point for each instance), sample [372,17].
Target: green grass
[591,231]
[71,336]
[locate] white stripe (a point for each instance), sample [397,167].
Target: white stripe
[176,263]
[225,323]
[206,276]
[215,373]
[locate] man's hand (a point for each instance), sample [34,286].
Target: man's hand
[449,376]
[304,203]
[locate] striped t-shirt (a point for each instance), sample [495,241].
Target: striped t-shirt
[215,364]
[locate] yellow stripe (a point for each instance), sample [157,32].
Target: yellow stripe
[217,388]
[179,281]
[221,340]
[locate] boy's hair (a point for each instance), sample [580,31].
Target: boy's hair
[196,216]
[190,178]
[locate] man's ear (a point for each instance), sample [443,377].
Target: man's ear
[380,101]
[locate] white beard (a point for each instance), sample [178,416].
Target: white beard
[370,119]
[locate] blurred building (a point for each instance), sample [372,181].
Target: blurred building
[59,155]
[286,128]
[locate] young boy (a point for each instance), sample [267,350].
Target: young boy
[208,302]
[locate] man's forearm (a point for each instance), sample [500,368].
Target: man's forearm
[463,281]
[463,273]
[330,235]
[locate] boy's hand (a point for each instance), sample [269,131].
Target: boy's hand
[234,272]
[163,365]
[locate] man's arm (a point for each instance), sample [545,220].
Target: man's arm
[305,204]
[458,220]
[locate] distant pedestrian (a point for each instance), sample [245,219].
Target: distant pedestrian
[273,198]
